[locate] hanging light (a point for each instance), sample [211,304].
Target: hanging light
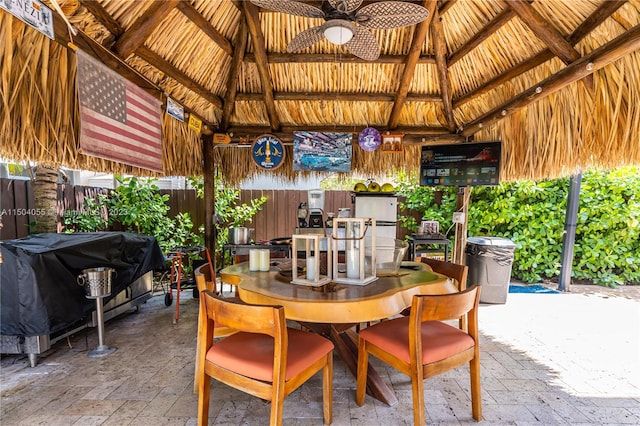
[338,31]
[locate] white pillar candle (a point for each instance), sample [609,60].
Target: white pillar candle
[254,260]
[311,268]
[353,264]
[264,260]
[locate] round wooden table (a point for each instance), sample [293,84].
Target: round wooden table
[333,309]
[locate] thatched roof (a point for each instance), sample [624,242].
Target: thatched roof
[556,81]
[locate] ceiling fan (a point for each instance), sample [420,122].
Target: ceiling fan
[346,24]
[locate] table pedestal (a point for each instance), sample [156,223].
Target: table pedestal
[345,340]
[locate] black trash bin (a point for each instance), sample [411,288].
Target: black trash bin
[489,260]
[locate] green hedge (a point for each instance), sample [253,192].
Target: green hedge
[532,214]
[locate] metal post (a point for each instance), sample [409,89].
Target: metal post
[102,349]
[568,241]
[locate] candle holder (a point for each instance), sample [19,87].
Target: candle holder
[318,262]
[358,265]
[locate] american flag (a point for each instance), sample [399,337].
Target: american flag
[118,120]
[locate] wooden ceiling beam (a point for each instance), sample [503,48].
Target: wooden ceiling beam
[440,47]
[412,135]
[446,5]
[496,23]
[142,28]
[103,17]
[588,64]
[299,58]
[546,32]
[595,19]
[205,26]
[549,35]
[232,80]
[605,10]
[419,36]
[257,37]
[171,71]
[341,97]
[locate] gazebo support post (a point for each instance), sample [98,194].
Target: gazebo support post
[209,195]
[568,241]
[462,205]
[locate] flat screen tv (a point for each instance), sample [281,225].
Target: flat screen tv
[463,164]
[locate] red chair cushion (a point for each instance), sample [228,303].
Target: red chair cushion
[439,340]
[251,354]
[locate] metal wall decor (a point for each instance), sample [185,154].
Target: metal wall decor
[369,139]
[268,152]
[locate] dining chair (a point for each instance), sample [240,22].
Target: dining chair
[264,358]
[422,345]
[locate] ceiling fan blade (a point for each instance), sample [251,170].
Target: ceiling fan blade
[364,45]
[291,7]
[305,39]
[345,5]
[391,14]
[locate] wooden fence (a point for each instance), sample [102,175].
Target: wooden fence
[278,217]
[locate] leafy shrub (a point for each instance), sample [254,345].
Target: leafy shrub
[137,206]
[229,212]
[532,215]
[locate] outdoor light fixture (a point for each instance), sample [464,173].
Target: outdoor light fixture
[356,262]
[317,259]
[339,31]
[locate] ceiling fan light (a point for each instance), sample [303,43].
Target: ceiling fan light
[338,33]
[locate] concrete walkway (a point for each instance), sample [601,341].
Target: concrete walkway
[547,359]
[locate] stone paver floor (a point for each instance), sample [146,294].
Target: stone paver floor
[547,359]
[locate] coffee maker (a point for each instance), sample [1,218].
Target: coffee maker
[316,208]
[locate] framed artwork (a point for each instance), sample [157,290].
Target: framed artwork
[322,151]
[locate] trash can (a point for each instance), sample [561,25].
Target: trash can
[489,260]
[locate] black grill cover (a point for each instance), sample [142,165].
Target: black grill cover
[39,293]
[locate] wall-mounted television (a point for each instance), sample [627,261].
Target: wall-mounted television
[463,164]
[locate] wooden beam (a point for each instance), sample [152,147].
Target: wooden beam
[142,28]
[234,71]
[412,135]
[419,36]
[90,46]
[588,25]
[342,96]
[103,17]
[299,58]
[169,70]
[446,5]
[496,23]
[599,58]
[544,31]
[605,10]
[205,26]
[440,47]
[257,38]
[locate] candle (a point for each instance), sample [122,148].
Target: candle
[254,260]
[311,268]
[353,264]
[264,260]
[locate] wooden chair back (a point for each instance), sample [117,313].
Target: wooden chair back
[451,270]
